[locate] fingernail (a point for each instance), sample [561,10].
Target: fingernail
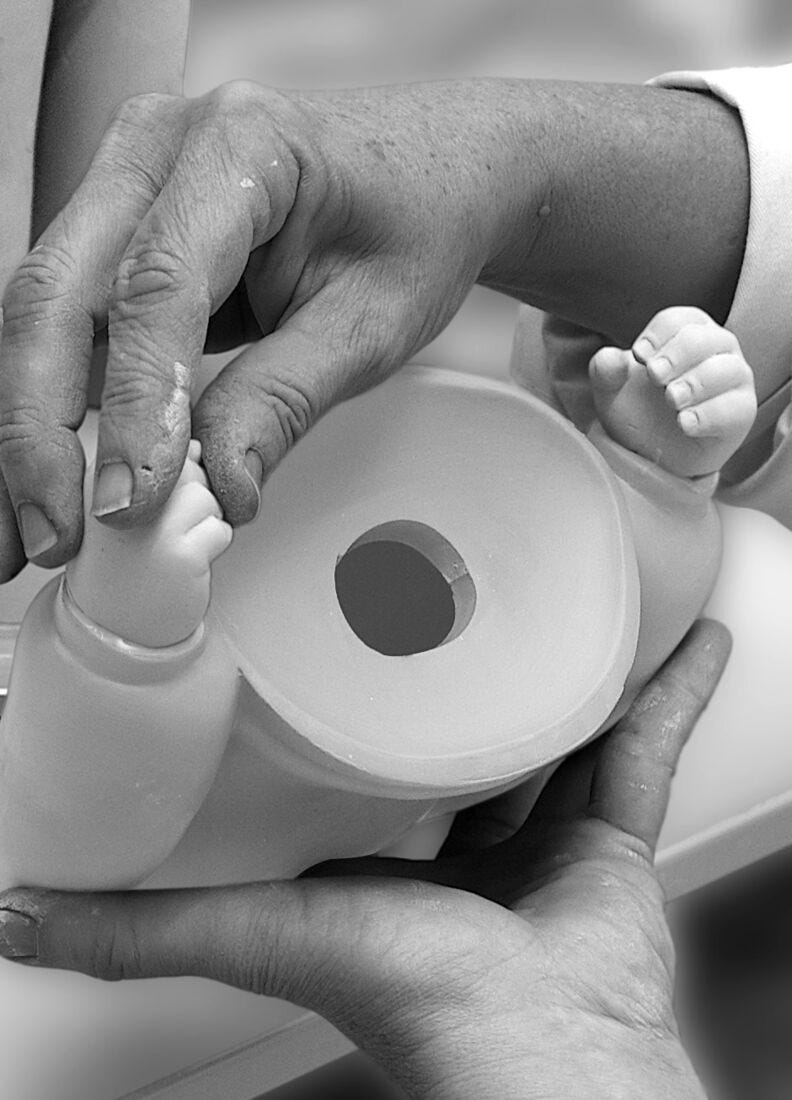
[112,489]
[688,419]
[38,534]
[660,368]
[643,349]
[679,394]
[18,935]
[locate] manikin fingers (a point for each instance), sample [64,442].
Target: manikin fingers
[689,346]
[192,469]
[712,378]
[664,326]
[208,539]
[190,504]
[729,413]
[610,367]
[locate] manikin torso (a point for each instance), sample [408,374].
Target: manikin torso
[447,589]
[275,736]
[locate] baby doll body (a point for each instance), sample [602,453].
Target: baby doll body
[153,760]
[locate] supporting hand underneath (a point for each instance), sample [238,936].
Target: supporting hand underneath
[541,966]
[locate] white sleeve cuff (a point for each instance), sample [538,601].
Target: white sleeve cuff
[760,317]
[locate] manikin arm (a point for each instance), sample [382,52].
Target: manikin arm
[150,585]
[120,703]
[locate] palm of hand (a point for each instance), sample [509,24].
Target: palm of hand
[578,967]
[538,966]
[543,959]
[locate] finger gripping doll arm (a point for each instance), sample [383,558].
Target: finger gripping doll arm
[120,702]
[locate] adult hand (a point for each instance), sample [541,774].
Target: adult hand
[344,246]
[339,232]
[541,966]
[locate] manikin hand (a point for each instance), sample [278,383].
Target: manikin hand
[335,234]
[150,585]
[682,395]
[538,967]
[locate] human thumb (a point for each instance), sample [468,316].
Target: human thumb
[274,391]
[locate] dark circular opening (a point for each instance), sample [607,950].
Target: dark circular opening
[404,589]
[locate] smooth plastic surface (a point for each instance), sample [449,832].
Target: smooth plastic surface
[96,788]
[65,1035]
[341,742]
[151,585]
[537,522]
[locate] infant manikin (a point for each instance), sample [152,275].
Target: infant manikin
[154,736]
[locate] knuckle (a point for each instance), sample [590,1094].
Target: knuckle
[691,315]
[155,269]
[22,428]
[743,372]
[668,318]
[238,123]
[279,412]
[289,409]
[139,110]
[695,386]
[215,527]
[235,95]
[114,953]
[151,272]
[693,334]
[139,142]
[40,285]
[224,113]
[146,406]
[200,496]
[747,402]
[129,389]
[731,341]
[681,695]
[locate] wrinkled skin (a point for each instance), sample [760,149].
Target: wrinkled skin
[339,232]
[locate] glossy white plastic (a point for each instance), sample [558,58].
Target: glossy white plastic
[275,736]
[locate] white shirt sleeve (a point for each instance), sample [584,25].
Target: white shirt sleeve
[760,316]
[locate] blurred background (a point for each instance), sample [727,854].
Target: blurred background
[342,43]
[321,43]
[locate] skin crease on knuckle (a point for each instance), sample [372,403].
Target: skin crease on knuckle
[144,372]
[146,413]
[247,127]
[40,291]
[153,272]
[140,138]
[29,439]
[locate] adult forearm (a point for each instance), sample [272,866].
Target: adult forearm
[601,202]
[345,229]
[644,204]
